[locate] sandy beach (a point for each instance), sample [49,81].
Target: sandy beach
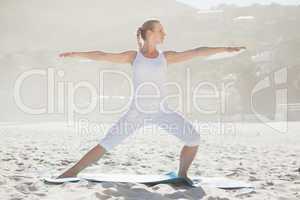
[252,153]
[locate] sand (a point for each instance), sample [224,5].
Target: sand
[252,152]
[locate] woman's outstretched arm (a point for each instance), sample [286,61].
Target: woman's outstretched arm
[174,56]
[123,57]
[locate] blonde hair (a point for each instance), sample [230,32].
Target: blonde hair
[141,32]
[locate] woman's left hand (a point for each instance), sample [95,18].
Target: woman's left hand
[234,49]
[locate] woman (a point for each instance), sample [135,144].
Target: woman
[149,65]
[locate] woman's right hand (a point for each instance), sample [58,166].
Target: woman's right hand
[68,54]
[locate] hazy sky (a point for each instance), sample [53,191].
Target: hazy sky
[208,3]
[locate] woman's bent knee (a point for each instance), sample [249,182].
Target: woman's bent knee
[193,140]
[106,145]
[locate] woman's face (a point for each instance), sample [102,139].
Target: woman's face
[158,34]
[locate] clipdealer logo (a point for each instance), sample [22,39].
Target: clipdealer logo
[277,82]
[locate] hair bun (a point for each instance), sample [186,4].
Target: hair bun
[139,31]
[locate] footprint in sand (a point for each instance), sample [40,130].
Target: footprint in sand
[20,170]
[127,164]
[101,196]
[65,162]
[253,178]
[7,159]
[39,194]
[22,188]
[112,192]
[2,181]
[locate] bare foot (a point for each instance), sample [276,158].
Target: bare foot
[69,173]
[186,178]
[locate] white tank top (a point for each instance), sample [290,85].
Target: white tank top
[149,78]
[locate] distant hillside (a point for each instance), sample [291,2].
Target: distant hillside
[65,24]
[34,32]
